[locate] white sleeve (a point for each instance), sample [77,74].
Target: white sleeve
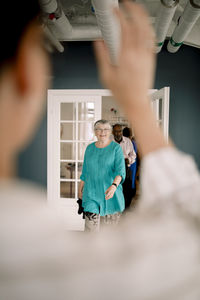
[170,181]
[131,154]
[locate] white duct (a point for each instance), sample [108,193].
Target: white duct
[61,26]
[186,22]
[48,6]
[82,20]
[53,40]
[85,33]
[55,18]
[108,25]
[80,32]
[163,20]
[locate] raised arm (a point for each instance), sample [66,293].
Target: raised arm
[131,154]
[171,176]
[130,80]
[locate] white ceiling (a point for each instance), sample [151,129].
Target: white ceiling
[82,10]
[74,8]
[71,7]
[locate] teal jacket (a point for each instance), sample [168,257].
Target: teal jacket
[100,167]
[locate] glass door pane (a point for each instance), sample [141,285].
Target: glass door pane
[67,111]
[86,131]
[67,189]
[81,150]
[68,131]
[67,151]
[86,111]
[67,170]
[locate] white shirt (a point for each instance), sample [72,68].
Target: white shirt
[127,148]
[154,254]
[170,179]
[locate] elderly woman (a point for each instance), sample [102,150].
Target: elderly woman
[101,180]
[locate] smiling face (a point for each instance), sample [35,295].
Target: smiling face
[103,132]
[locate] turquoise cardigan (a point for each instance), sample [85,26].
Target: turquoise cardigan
[100,167]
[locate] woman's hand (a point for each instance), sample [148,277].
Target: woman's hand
[110,192]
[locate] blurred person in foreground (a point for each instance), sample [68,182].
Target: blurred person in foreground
[154,255]
[102,176]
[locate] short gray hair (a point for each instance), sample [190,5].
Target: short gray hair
[101,122]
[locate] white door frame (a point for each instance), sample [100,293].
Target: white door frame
[53,132]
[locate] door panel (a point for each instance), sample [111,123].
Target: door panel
[70,129]
[160,105]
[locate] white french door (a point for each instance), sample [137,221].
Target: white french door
[71,117]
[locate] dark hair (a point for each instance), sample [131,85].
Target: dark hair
[127,132]
[117,124]
[15,16]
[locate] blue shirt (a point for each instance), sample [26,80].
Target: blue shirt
[133,167]
[100,167]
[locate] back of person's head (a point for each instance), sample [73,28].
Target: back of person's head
[24,71]
[127,132]
[15,17]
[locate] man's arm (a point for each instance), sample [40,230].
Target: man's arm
[131,154]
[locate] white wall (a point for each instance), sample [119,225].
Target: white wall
[109,103]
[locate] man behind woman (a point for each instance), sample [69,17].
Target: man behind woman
[129,157]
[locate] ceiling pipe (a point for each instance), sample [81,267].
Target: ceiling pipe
[60,25]
[187,20]
[163,20]
[82,20]
[85,33]
[55,18]
[109,25]
[48,6]
[53,40]
[80,32]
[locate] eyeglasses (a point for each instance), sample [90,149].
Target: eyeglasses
[102,130]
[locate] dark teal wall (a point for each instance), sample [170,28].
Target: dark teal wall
[76,69]
[33,161]
[181,71]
